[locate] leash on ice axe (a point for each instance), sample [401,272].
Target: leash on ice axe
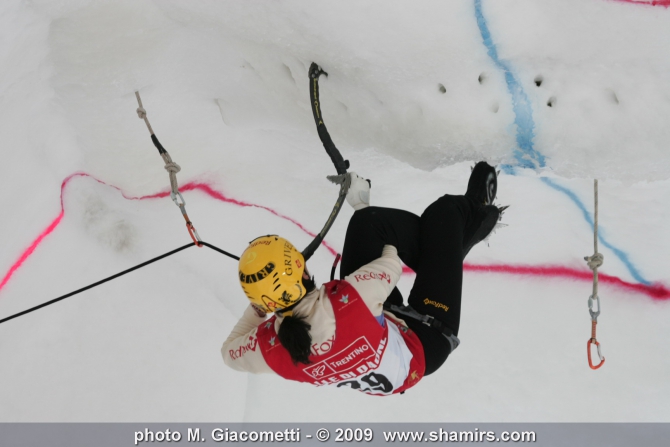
[594,262]
[341,165]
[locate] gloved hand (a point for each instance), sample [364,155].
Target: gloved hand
[358,195]
[358,189]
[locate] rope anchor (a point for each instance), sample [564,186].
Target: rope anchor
[594,262]
[172,168]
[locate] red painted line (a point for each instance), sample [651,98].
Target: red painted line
[191,186]
[663,3]
[218,196]
[207,189]
[29,251]
[656,291]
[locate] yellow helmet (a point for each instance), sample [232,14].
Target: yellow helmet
[270,273]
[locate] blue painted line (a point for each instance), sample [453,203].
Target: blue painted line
[623,256]
[525,154]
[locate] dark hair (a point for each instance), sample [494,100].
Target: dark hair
[294,336]
[294,333]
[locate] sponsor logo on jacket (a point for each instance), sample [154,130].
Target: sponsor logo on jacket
[323,348]
[239,352]
[353,361]
[383,276]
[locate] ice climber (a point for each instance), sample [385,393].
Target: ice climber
[355,332]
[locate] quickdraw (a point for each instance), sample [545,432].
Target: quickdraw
[172,169]
[341,165]
[594,262]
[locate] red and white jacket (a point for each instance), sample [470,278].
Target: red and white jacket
[350,347]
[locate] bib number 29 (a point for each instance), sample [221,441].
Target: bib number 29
[371,382]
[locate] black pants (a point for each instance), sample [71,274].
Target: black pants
[432,246]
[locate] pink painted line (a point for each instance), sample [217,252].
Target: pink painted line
[29,251]
[207,189]
[663,3]
[218,196]
[191,186]
[656,291]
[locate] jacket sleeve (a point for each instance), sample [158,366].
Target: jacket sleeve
[375,281]
[241,351]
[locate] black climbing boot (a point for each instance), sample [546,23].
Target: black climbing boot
[483,184]
[486,220]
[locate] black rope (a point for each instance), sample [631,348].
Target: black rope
[161,150]
[219,250]
[144,264]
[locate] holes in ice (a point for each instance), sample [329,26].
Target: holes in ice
[612,96]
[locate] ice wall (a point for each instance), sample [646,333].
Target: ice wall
[570,89]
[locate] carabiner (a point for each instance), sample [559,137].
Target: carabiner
[191,229]
[178,199]
[588,351]
[594,315]
[193,233]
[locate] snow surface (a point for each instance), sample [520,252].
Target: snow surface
[415,94]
